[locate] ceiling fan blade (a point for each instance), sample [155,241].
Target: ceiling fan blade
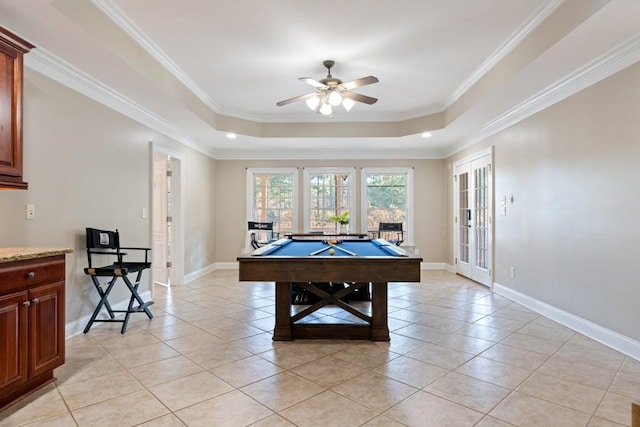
[360,98]
[295,98]
[360,82]
[312,82]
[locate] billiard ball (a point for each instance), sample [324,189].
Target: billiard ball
[332,251]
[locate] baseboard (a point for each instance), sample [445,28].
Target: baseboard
[432,266]
[198,273]
[227,265]
[449,268]
[605,336]
[77,326]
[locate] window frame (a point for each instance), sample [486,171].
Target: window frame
[394,170]
[353,207]
[250,189]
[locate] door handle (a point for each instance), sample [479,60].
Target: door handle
[26,303]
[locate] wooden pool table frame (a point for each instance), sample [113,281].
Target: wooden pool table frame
[359,271]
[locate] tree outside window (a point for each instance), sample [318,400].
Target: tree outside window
[387,197]
[329,193]
[272,197]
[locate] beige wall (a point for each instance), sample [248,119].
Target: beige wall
[230,193]
[572,234]
[88,166]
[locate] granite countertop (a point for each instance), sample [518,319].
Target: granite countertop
[20,254]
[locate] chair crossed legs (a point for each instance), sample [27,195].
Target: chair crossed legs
[103,242]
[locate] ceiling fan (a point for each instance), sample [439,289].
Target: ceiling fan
[331,92]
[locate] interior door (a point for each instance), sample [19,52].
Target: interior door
[160,229]
[473,219]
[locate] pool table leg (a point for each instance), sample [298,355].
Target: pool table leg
[282,330]
[379,324]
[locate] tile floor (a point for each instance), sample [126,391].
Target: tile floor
[458,356]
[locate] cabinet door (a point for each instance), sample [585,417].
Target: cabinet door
[12,50]
[13,336]
[46,328]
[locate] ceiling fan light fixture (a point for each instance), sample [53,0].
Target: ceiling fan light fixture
[325,109]
[335,98]
[313,102]
[331,92]
[348,103]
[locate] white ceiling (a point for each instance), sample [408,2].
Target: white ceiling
[196,69]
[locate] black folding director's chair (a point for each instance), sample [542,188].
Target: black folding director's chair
[262,233]
[103,242]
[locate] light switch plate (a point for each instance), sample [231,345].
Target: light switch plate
[31,211]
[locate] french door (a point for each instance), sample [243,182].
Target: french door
[473,218]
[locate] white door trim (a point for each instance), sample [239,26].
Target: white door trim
[177,270]
[455,234]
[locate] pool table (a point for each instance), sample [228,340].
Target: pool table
[356,263]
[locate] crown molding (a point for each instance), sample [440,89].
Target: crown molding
[328,155]
[49,65]
[616,59]
[115,14]
[509,45]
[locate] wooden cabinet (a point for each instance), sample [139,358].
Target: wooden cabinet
[12,49]
[31,324]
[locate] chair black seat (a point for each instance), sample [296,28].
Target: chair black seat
[124,268]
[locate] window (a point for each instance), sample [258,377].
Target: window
[272,196]
[387,196]
[328,192]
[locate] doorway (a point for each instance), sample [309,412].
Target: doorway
[166,217]
[473,217]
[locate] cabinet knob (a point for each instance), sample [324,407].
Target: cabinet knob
[35,300]
[26,303]
[31,275]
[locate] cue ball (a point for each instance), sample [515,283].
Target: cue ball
[332,251]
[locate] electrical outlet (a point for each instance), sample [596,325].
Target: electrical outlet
[31,211]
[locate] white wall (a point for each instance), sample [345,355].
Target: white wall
[88,166]
[429,187]
[572,234]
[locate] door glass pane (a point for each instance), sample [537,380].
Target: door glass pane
[464,215]
[481,225]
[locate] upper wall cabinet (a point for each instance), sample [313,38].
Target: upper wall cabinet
[12,49]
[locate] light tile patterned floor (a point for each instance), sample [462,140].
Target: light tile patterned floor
[458,356]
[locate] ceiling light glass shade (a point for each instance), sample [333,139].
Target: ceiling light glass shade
[348,103]
[325,109]
[313,102]
[335,98]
